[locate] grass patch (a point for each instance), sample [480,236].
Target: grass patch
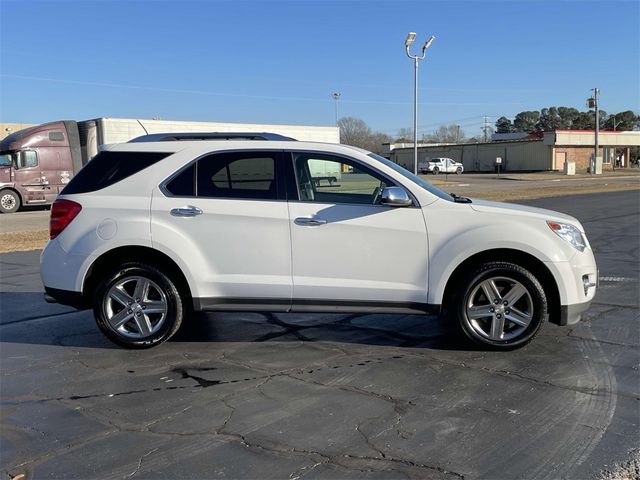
[531,193]
[23,241]
[629,470]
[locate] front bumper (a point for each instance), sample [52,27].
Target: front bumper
[572,314]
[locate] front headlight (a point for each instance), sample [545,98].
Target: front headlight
[569,233]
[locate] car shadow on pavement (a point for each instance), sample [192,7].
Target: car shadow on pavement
[26,318]
[368,329]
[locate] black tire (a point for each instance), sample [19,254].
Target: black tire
[164,293]
[436,170]
[459,171]
[507,278]
[9,201]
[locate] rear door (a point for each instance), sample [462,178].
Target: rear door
[349,251]
[226,218]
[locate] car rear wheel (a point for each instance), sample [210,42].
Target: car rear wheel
[138,306]
[436,170]
[501,306]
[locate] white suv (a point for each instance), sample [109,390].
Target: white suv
[149,231]
[444,165]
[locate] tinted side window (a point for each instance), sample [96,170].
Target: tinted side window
[238,175]
[107,168]
[183,184]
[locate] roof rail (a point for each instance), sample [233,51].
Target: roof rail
[173,137]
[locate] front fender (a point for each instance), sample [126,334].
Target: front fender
[449,255]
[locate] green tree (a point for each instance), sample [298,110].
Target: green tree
[567,117]
[504,125]
[622,121]
[587,120]
[584,121]
[526,121]
[549,120]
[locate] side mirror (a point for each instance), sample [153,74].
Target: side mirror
[395,197]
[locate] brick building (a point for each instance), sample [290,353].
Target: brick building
[577,146]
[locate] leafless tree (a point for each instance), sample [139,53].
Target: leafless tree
[354,131]
[445,134]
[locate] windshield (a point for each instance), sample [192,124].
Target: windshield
[414,178]
[6,159]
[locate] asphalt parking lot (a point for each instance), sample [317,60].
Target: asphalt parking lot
[327,396]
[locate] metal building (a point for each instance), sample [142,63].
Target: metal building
[547,152]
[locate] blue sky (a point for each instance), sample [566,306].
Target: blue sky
[279,61]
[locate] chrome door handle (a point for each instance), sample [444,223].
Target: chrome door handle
[309,222]
[188,211]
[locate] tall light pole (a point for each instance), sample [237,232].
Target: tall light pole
[593,103]
[336,97]
[407,44]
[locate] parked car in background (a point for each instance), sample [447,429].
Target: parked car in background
[441,165]
[149,231]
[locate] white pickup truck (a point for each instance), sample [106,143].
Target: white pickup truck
[437,165]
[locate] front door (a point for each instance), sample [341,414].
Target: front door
[347,248]
[229,224]
[29,177]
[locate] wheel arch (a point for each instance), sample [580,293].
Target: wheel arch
[518,257]
[118,255]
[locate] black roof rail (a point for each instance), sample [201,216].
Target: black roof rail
[187,136]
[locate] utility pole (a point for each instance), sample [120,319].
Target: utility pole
[336,97]
[485,128]
[593,103]
[457,133]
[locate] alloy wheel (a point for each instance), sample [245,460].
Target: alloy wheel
[499,308]
[135,307]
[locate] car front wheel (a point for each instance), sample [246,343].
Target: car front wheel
[501,306]
[459,170]
[436,170]
[138,306]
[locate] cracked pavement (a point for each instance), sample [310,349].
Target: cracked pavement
[238,395]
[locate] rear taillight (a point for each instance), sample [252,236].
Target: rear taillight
[62,212]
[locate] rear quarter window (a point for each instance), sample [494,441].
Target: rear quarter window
[108,168]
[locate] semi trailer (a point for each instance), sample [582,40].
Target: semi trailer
[37,162]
